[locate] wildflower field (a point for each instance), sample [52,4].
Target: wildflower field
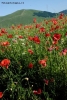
[33,60]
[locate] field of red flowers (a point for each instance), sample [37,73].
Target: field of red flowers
[33,60]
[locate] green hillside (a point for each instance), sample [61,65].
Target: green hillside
[24,17]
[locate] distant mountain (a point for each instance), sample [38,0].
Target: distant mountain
[25,17]
[64,11]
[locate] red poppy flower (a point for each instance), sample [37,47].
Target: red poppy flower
[6,43]
[5,63]
[39,91]
[20,36]
[1,95]
[57,27]
[1,34]
[46,81]
[51,48]
[46,22]
[66,34]
[38,25]
[54,21]
[47,34]
[10,36]
[61,16]
[64,52]
[42,29]
[30,38]
[3,30]
[30,65]
[56,36]
[30,51]
[42,62]
[12,27]
[56,48]
[36,39]
[55,42]
[34,20]
[52,29]
[25,26]
[35,91]
[19,26]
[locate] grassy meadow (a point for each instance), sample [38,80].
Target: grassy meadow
[33,60]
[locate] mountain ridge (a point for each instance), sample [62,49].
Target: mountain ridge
[25,16]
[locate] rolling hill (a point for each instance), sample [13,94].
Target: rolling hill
[64,11]
[24,17]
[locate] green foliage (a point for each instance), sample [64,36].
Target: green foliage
[33,61]
[24,17]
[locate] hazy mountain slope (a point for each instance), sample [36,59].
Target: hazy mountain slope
[25,17]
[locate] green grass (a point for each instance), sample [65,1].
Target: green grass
[33,65]
[24,17]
